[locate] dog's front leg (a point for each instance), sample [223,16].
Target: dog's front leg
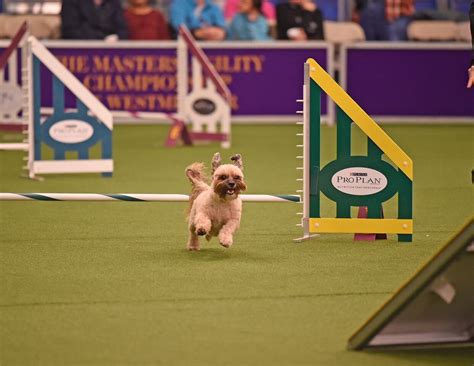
[226,235]
[193,241]
[203,224]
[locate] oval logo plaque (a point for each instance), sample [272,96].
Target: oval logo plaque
[359,181]
[71,131]
[204,106]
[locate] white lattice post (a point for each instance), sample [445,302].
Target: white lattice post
[27,89]
[197,87]
[182,76]
[225,125]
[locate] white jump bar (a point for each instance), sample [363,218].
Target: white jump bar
[133,197]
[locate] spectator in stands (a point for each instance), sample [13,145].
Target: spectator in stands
[232,7]
[470,82]
[299,20]
[384,20]
[204,19]
[249,24]
[93,19]
[144,22]
[399,14]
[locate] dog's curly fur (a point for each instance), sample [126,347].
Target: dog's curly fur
[215,209]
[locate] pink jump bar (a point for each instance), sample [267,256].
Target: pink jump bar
[13,45]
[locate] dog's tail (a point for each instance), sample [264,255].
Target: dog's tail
[197,177]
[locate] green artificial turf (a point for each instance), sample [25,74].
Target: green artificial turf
[111,283]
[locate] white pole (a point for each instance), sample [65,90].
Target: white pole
[306,158]
[133,197]
[28,112]
[14,146]
[182,62]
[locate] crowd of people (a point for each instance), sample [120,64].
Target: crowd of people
[247,20]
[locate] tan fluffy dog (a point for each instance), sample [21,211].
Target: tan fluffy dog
[215,210]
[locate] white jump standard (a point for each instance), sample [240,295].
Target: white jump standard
[77,126]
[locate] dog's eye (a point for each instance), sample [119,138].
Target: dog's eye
[236,177]
[223,177]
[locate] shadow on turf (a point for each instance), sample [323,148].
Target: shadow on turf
[210,254]
[221,254]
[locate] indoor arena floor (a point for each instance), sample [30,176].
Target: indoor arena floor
[111,283]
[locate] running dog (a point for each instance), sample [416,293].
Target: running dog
[215,209]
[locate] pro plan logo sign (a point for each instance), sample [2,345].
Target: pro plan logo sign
[359,181]
[71,131]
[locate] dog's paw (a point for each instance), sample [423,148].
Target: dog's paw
[193,247]
[225,240]
[201,231]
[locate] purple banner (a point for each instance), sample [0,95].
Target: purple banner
[124,79]
[267,81]
[263,81]
[410,82]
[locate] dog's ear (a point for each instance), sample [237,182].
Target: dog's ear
[216,162]
[237,159]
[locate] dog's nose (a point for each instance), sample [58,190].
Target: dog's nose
[231,184]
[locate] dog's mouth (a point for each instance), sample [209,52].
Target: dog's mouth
[229,191]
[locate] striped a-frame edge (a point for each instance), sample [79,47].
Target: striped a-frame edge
[446,258]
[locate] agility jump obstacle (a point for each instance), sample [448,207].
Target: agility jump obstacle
[72,131]
[349,181]
[359,181]
[207,105]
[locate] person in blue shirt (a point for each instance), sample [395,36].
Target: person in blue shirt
[205,19]
[249,24]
